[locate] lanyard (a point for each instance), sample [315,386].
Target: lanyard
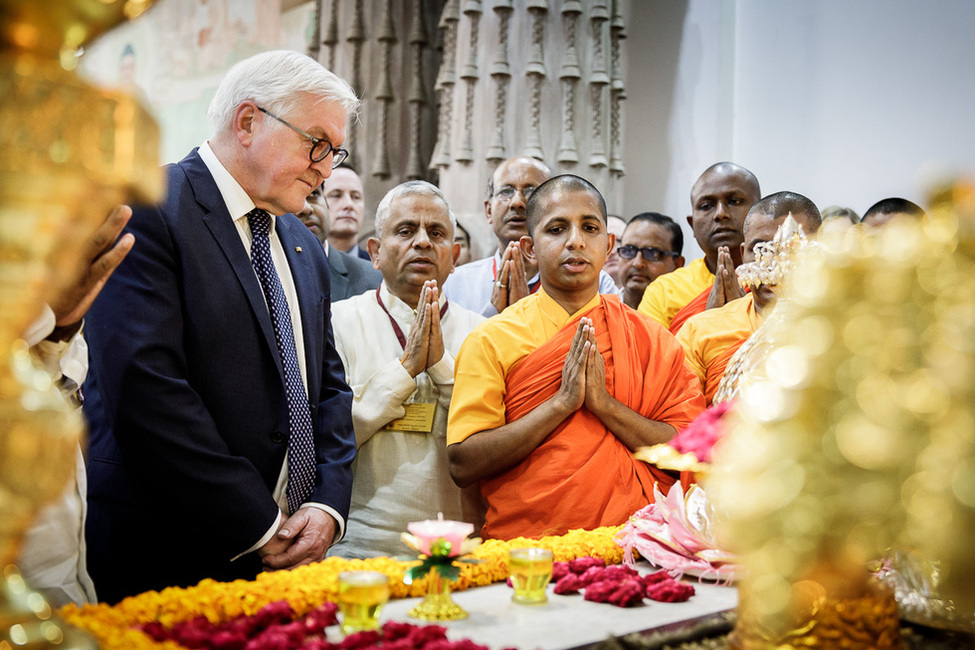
[396,328]
[532,288]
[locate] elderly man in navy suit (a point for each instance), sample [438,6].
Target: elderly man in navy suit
[221,431]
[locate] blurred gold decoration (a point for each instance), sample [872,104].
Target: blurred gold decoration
[774,260]
[68,153]
[774,264]
[856,432]
[666,457]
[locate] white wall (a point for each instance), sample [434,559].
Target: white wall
[846,101]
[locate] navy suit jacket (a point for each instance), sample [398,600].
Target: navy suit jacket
[186,398]
[350,275]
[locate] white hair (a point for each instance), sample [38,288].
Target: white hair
[409,188]
[272,80]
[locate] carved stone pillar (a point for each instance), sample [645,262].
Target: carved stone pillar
[382,47]
[555,93]
[470,75]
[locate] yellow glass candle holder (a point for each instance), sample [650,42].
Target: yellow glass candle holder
[530,570]
[362,595]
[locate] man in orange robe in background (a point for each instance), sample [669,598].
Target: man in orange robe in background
[552,395]
[711,338]
[720,199]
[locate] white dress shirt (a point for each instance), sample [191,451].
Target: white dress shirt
[471,285]
[398,476]
[239,204]
[52,557]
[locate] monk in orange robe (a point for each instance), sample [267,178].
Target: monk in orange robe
[552,395]
[711,338]
[720,199]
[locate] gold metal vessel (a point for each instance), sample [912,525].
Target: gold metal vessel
[69,152]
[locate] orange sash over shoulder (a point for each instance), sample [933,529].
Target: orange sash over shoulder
[582,476]
[696,306]
[716,370]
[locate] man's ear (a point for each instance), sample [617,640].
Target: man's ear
[527,246]
[487,210]
[679,261]
[243,122]
[372,245]
[690,221]
[741,250]
[612,243]
[455,255]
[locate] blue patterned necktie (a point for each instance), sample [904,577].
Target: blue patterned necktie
[301,446]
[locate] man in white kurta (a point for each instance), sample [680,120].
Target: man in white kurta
[398,346]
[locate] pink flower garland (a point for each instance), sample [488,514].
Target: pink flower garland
[617,585]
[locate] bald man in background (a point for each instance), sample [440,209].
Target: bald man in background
[720,199]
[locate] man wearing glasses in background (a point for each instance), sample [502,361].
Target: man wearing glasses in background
[489,285]
[221,429]
[650,246]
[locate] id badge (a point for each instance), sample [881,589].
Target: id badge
[418,418]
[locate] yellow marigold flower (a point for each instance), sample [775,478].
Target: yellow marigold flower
[307,587]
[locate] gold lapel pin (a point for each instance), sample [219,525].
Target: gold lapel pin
[297,249]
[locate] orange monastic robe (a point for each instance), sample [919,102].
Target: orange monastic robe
[581,476]
[711,338]
[692,308]
[668,294]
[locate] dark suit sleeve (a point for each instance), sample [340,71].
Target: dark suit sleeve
[336,442]
[145,332]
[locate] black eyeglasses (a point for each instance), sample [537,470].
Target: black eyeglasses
[319,148]
[649,254]
[508,192]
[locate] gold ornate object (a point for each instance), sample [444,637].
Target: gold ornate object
[68,154]
[437,604]
[774,264]
[857,431]
[666,457]
[774,260]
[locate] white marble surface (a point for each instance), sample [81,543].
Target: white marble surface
[565,621]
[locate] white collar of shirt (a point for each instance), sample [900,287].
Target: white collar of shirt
[327,247]
[398,309]
[234,196]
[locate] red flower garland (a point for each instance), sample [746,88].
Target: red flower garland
[275,627]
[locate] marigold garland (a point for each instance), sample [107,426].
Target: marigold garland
[305,588]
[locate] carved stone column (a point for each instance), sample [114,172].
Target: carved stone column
[446,80]
[470,75]
[569,74]
[384,90]
[417,98]
[598,80]
[501,73]
[535,73]
[556,92]
[617,31]
[382,47]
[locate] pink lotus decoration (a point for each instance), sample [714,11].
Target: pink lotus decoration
[677,534]
[439,537]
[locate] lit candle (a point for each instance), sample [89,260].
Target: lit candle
[425,536]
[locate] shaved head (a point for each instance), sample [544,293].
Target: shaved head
[886,209]
[720,199]
[781,204]
[539,200]
[728,169]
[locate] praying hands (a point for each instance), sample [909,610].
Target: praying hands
[512,283]
[424,345]
[726,287]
